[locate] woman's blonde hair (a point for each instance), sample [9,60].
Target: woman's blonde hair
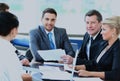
[113,22]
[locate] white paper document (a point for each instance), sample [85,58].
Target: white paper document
[51,54]
[54,73]
[67,68]
[86,79]
[53,64]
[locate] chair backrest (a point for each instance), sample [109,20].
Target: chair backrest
[78,41]
[29,55]
[74,46]
[20,43]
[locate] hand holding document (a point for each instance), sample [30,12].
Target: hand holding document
[66,59]
[52,55]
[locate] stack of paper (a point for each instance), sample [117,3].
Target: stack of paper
[86,79]
[67,68]
[53,64]
[53,73]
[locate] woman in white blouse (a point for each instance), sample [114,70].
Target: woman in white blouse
[10,66]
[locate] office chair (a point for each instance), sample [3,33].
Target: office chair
[29,55]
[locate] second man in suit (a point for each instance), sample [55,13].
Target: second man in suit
[92,38]
[39,39]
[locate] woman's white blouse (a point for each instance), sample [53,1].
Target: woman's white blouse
[10,66]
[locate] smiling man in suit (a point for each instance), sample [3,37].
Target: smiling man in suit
[39,39]
[89,48]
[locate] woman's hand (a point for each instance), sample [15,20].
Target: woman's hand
[80,67]
[84,73]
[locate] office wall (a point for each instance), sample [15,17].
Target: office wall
[70,12]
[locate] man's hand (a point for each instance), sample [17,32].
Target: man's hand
[67,59]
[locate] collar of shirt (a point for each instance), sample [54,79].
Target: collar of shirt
[6,42]
[52,31]
[53,36]
[95,35]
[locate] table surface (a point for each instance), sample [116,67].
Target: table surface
[37,76]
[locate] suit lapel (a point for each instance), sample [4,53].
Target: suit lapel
[44,36]
[86,41]
[108,53]
[57,37]
[103,58]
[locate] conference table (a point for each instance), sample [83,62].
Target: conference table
[52,75]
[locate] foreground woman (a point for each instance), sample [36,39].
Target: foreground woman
[10,66]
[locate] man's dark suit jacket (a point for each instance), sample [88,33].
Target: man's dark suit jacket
[109,62]
[82,56]
[39,41]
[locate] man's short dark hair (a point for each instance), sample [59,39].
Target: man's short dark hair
[49,10]
[3,7]
[94,12]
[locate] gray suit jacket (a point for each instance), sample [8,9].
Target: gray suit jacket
[39,41]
